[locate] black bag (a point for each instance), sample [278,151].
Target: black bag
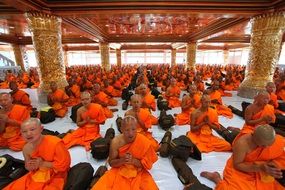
[49,132]
[119,123]
[126,94]
[110,134]
[125,105]
[155,93]
[182,147]
[165,121]
[98,174]
[162,104]
[34,113]
[47,117]
[74,112]
[164,144]
[79,176]
[236,111]
[100,147]
[11,170]
[229,136]
[186,176]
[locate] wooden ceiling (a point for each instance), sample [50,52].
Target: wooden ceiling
[141,22]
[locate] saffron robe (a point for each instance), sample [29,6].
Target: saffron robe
[51,149]
[173,101]
[237,180]
[128,177]
[11,137]
[87,133]
[204,139]
[59,97]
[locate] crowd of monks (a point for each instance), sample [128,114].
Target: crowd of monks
[258,157]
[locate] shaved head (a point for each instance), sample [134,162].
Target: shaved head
[264,135]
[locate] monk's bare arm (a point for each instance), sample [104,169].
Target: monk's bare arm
[79,121]
[7,120]
[114,159]
[185,104]
[193,126]
[240,149]
[248,117]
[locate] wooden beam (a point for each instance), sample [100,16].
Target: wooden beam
[215,27]
[229,39]
[141,47]
[28,5]
[27,40]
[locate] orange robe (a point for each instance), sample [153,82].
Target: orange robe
[58,97]
[74,99]
[51,149]
[221,109]
[11,137]
[183,118]
[204,139]
[87,133]
[267,110]
[145,117]
[109,101]
[111,90]
[173,101]
[22,98]
[128,177]
[236,180]
[150,100]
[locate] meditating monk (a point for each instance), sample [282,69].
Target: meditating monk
[57,99]
[189,103]
[203,120]
[131,156]
[143,117]
[255,164]
[19,96]
[257,113]
[271,88]
[73,91]
[11,117]
[172,94]
[148,101]
[46,159]
[104,100]
[216,101]
[110,90]
[89,117]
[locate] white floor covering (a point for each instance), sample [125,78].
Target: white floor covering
[162,171]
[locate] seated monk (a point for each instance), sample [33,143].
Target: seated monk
[216,101]
[131,156]
[104,100]
[203,120]
[148,101]
[256,162]
[257,113]
[88,119]
[189,103]
[11,117]
[57,99]
[271,88]
[143,119]
[73,91]
[46,159]
[19,96]
[172,94]
[110,90]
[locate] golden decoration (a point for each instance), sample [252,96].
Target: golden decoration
[46,35]
[105,59]
[173,57]
[265,47]
[191,54]
[119,57]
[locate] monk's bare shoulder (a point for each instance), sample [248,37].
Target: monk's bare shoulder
[242,143]
[118,141]
[28,149]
